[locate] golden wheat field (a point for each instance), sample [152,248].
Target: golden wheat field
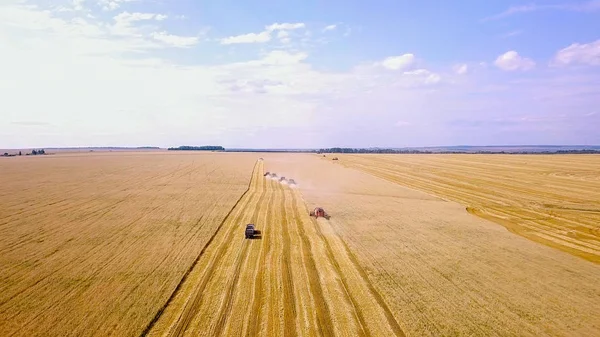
[95,244]
[442,270]
[152,244]
[554,200]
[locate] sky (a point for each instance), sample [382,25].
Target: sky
[299,74]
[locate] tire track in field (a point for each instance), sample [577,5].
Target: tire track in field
[192,305]
[232,285]
[322,310]
[252,318]
[253,287]
[272,294]
[242,201]
[289,310]
[356,286]
[388,313]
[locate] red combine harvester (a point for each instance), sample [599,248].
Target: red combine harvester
[319,212]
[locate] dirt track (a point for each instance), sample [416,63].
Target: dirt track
[299,278]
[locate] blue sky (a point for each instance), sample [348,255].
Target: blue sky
[299,73]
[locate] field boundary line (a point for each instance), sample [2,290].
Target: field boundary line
[187,273]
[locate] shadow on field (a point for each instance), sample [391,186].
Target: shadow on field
[257,235]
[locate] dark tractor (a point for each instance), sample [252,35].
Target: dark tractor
[250,231]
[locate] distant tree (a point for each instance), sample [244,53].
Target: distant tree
[34,152]
[20,154]
[197,148]
[6,154]
[42,151]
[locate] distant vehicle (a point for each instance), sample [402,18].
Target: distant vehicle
[260,159]
[319,212]
[335,158]
[250,231]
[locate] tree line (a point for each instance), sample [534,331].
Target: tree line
[405,151]
[33,153]
[197,148]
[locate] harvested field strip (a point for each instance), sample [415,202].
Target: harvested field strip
[553,200]
[284,283]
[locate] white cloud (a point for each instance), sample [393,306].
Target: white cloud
[424,75]
[330,27]
[78,4]
[511,61]
[284,36]
[460,69]
[588,54]
[248,38]
[71,65]
[398,62]
[124,22]
[265,36]
[110,5]
[587,6]
[513,10]
[132,17]
[279,57]
[511,34]
[175,40]
[284,26]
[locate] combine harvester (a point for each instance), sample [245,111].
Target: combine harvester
[319,212]
[251,232]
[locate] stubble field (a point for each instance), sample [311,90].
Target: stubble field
[550,199]
[152,244]
[442,270]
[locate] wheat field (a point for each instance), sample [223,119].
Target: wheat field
[550,199]
[298,279]
[95,244]
[442,270]
[151,244]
